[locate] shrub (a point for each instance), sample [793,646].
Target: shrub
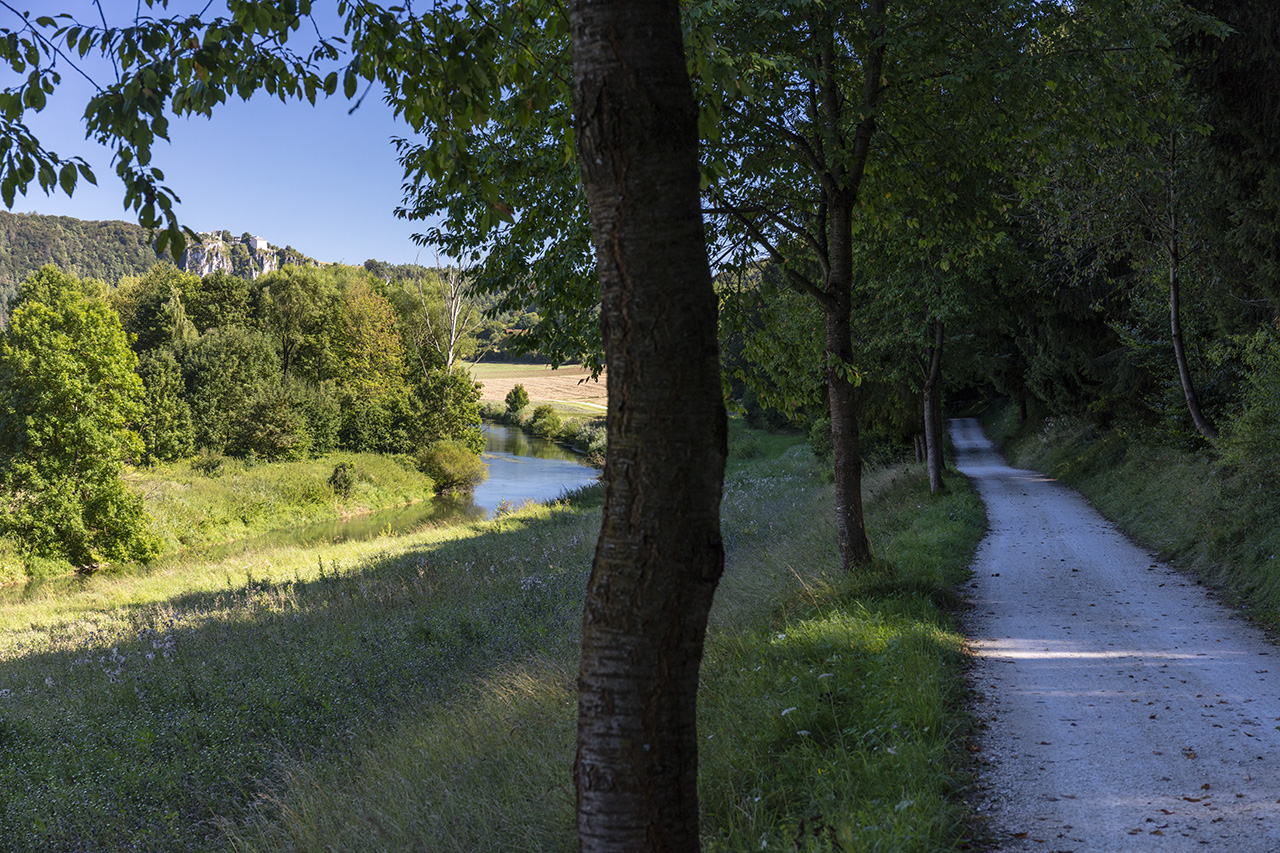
[545,421]
[452,466]
[745,447]
[209,463]
[820,439]
[343,479]
[517,399]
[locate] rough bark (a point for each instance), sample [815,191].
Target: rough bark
[932,404]
[659,556]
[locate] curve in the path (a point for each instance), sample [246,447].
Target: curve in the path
[1122,707]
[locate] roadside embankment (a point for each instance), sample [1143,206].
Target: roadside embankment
[1196,509]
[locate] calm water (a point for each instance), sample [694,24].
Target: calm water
[521,468]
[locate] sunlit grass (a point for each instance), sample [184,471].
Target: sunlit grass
[418,692]
[145,707]
[190,507]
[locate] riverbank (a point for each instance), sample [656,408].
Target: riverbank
[313,698]
[194,503]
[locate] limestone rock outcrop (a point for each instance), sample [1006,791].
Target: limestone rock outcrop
[245,256]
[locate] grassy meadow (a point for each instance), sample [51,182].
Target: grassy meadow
[416,692]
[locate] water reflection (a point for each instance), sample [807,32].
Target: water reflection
[521,468]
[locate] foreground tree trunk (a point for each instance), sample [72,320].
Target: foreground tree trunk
[659,556]
[932,404]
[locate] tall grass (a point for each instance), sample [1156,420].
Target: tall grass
[418,693]
[200,501]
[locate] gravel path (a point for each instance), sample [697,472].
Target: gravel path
[1123,708]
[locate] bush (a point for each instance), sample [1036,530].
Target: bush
[820,439]
[343,479]
[209,463]
[517,399]
[452,466]
[545,421]
[745,447]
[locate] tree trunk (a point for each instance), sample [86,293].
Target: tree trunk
[1174,254]
[659,556]
[933,412]
[842,393]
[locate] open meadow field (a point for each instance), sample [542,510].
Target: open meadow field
[570,386]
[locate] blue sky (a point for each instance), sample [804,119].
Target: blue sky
[318,179]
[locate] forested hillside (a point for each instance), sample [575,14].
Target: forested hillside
[110,251]
[103,250]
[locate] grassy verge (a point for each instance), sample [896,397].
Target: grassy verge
[829,704]
[417,693]
[1215,518]
[190,507]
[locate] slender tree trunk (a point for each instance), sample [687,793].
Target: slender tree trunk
[659,556]
[1174,254]
[932,400]
[840,194]
[851,531]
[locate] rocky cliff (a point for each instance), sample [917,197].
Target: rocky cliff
[245,256]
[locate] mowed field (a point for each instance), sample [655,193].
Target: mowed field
[570,387]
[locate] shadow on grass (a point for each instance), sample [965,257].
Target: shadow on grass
[148,724]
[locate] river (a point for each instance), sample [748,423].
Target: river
[521,468]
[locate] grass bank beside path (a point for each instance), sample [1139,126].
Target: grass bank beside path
[418,692]
[1215,519]
[191,505]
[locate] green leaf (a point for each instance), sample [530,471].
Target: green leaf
[67,178]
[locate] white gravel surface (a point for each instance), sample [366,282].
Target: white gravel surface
[1122,707]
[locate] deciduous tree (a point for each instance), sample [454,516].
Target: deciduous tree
[69,397]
